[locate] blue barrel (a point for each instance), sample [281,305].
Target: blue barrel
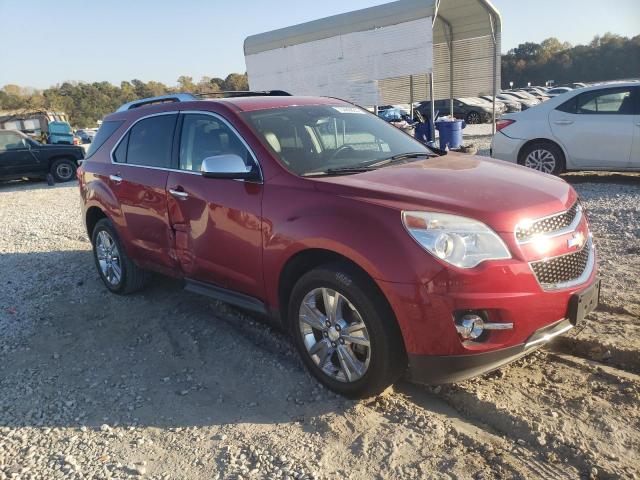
[450,133]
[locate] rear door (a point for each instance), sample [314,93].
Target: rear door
[15,155]
[141,163]
[596,128]
[217,222]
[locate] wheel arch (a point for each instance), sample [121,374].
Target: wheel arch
[543,140]
[92,216]
[306,260]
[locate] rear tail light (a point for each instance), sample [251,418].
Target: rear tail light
[502,124]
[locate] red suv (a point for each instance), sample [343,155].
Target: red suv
[375,253]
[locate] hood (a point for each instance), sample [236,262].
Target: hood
[497,193]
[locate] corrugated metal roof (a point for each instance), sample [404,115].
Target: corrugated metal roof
[358,21]
[469,19]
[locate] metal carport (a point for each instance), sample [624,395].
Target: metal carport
[465,57]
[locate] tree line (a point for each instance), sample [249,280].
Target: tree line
[86,103]
[606,57]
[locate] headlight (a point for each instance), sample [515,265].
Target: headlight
[460,241]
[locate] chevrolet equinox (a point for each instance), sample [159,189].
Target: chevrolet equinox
[376,254]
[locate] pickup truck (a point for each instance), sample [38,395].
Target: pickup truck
[23,157]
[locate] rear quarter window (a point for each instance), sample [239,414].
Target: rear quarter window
[104,133]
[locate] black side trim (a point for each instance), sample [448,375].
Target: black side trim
[228,296]
[456,368]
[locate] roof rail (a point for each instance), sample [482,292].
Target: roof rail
[175,97]
[245,93]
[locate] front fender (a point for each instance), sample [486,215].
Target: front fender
[372,236]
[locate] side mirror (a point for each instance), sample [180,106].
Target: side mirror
[226,166]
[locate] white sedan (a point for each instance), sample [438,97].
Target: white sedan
[593,128]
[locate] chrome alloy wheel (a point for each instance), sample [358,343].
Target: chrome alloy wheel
[108,258]
[64,171]
[334,335]
[542,160]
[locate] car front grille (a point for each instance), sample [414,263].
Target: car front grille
[562,271]
[547,225]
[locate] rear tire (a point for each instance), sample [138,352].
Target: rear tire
[473,118]
[64,170]
[362,352]
[544,157]
[117,271]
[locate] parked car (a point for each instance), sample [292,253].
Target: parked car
[470,110]
[510,104]
[85,136]
[23,157]
[554,92]
[568,131]
[535,92]
[525,100]
[374,253]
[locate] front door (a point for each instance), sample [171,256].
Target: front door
[139,181]
[596,128]
[15,155]
[217,222]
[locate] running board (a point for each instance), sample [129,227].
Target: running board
[227,296]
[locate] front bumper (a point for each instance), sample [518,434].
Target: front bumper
[439,369]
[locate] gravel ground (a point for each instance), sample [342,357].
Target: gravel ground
[166,384]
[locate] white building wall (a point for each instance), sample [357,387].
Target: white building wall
[348,66]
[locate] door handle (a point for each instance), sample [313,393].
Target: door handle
[115,178]
[179,194]
[563,122]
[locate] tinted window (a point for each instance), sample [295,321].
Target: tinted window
[608,102]
[207,136]
[120,154]
[150,141]
[569,106]
[104,132]
[11,141]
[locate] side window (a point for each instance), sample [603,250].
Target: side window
[151,140]
[569,106]
[11,141]
[104,132]
[207,136]
[614,101]
[120,154]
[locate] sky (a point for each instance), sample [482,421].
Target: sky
[45,43]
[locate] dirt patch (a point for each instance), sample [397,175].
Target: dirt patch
[167,384]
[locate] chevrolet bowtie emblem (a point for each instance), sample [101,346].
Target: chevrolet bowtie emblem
[577,241]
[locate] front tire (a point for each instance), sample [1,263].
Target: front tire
[544,157]
[346,335]
[119,274]
[64,170]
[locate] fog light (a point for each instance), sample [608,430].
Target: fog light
[470,326]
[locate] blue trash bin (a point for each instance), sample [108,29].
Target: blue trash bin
[450,133]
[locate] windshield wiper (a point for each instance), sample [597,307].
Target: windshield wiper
[368,167]
[339,171]
[400,157]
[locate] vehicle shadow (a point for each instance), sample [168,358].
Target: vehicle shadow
[25,185]
[72,354]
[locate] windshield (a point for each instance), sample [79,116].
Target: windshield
[59,128]
[473,101]
[324,138]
